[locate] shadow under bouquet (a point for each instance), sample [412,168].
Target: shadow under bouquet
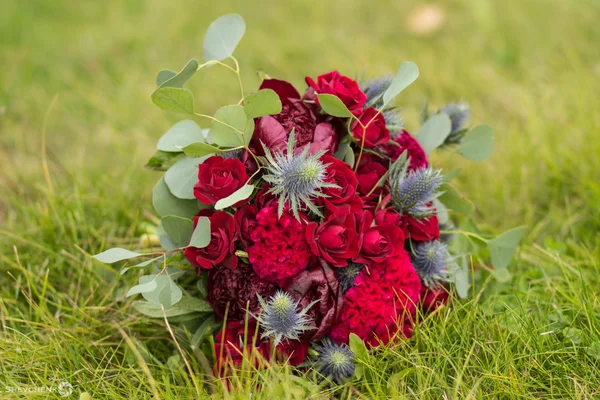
[306,225]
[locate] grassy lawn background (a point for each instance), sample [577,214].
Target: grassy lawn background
[85,72]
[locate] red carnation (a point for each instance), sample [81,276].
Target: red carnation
[346,89]
[405,141]
[381,303]
[236,290]
[375,133]
[218,178]
[335,239]
[280,250]
[379,242]
[222,242]
[343,199]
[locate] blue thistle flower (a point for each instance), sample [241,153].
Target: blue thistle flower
[296,179]
[280,318]
[459,114]
[393,121]
[335,361]
[348,274]
[411,192]
[431,261]
[374,88]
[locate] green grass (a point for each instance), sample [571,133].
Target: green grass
[529,68]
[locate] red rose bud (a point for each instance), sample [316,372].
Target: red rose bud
[346,89]
[405,141]
[343,199]
[245,223]
[222,243]
[375,134]
[421,229]
[335,239]
[378,243]
[369,173]
[218,178]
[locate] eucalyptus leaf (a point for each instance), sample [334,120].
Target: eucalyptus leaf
[346,154]
[180,135]
[478,143]
[441,211]
[165,203]
[146,286]
[434,132]
[232,127]
[407,74]
[166,292]
[186,305]
[264,102]
[182,76]
[200,149]
[332,105]
[162,160]
[201,235]
[453,200]
[164,75]
[241,194]
[140,265]
[503,247]
[222,37]
[174,99]
[182,177]
[179,229]
[115,254]
[461,277]
[502,275]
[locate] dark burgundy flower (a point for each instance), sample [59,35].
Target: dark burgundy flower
[375,133]
[309,126]
[236,290]
[335,239]
[318,283]
[405,141]
[343,199]
[343,87]
[245,223]
[218,178]
[421,229]
[222,243]
[379,242]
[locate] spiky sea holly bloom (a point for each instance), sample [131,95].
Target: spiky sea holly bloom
[375,87]
[459,114]
[394,122]
[335,360]
[296,179]
[413,192]
[431,261]
[280,318]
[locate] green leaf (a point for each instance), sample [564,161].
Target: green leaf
[502,275]
[164,75]
[162,161]
[503,247]
[180,135]
[186,305]
[450,175]
[241,194]
[332,105]
[115,254]
[206,329]
[201,235]
[407,74]
[177,80]
[173,99]
[461,277]
[453,200]
[182,177]
[264,102]
[434,132]
[179,229]
[358,347]
[232,127]
[199,149]
[147,286]
[140,265]
[165,203]
[441,211]
[478,143]
[166,292]
[346,154]
[222,37]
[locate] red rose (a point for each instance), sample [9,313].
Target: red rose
[230,348]
[346,89]
[310,127]
[342,200]
[335,239]
[405,141]
[318,283]
[245,222]
[218,178]
[368,174]
[222,243]
[388,216]
[431,299]
[292,351]
[375,134]
[378,243]
[423,229]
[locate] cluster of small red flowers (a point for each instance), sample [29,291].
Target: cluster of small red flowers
[254,251]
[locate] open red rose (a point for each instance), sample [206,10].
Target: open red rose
[245,223]
[335,239]
[222,243]
[406,142]
[341,200]
[311,128]
[346,89]
[377,243]
[388,216]
[421,229]
[318,283]
[376,132]
[369,173]
[218,178]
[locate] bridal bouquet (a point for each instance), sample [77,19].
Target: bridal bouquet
[303,225]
